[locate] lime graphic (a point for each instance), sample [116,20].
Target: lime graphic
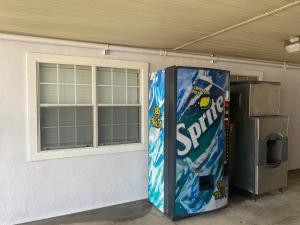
[205,102]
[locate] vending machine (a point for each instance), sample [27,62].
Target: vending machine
[187,149]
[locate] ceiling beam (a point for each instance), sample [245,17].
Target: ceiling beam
[239,24]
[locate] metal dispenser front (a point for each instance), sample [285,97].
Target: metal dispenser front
[272,152]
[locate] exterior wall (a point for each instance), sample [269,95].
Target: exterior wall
[41,189]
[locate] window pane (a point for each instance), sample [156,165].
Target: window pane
[67,136]
[119,134]
[84,116]
[85,135]
[49,117]
[241,78]
[66,84]
[133,114]
[119,77]
[133,95]
[118,125]
[119,115]
[66,94]
[66,127]
[105,135]
[104,95]
[67,116]
[49,138]
[133,133]
[132,77]
[48,73]
[83,94]
[66,74]
[105,115]
[119,95]
[103,76]
[83,74]
[48,93]
[123,89]
[251,78]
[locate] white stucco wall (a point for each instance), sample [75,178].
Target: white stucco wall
[42,189]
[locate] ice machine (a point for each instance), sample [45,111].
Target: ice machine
[188,110]
[261,151]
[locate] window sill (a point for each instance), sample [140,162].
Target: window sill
[87,151]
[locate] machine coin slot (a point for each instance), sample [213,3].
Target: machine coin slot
[206,183]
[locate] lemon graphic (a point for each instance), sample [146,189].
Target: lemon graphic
[205,102]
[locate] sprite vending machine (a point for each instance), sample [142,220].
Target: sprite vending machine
[187,153]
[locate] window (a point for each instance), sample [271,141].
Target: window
[66,109]
[82,106]
[118,106]
[239,75]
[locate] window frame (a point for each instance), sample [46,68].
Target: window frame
[33,108]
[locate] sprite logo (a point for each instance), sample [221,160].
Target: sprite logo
[199,127]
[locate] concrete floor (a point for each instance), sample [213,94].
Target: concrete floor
[274,208]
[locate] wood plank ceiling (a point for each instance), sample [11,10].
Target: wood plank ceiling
[161,24]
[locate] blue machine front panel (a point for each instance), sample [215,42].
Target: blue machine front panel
[200,182]
[156,139]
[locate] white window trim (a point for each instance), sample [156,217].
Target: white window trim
[34,153]
[248,73]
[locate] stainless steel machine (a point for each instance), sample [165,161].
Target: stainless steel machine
[261,151]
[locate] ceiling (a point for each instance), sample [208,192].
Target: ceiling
[162,24]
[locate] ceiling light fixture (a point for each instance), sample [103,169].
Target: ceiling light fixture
[292,45]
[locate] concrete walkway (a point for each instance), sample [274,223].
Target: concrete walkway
[270,209]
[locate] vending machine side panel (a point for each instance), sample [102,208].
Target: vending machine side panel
[170,140]
[156,158]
